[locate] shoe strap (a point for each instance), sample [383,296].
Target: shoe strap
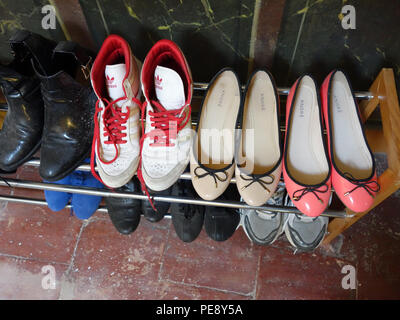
[83,56]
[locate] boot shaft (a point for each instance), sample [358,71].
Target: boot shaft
[70,77]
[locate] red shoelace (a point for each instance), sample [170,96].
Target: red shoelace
[114,121]
[166,124]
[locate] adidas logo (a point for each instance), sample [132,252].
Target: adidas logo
[110,82]
[158,81]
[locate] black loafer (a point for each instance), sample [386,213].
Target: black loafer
[161,206]
[125,212]
[187,219]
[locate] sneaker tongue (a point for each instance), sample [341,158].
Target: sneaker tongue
[115,74]
[266,215]
[169,88]
[305,218]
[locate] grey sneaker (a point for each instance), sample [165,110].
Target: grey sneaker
[264,227]
[305,233]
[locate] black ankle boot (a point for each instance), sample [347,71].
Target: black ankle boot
[69,110]
[22,127]
[125,212]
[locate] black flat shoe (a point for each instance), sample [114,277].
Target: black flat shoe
[125,212]
[162,207]
[187,219]
[220,223]
[21,133]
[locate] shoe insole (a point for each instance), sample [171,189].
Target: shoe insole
[306,157]
[218,120]
[350,150]
[260,132]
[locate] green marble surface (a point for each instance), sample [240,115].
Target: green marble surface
[216,33]
[212,33]
[312,40]
[26,14]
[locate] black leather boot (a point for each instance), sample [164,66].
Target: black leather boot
[187,219]
[125,212]
[22,128]
[69,110]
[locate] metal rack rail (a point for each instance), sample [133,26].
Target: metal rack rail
[283,91]
[17,183]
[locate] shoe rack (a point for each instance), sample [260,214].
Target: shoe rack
[382,93]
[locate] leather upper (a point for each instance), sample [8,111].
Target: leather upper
[68,124]
[22,128]
[256,189]
[125,212]
[210,183]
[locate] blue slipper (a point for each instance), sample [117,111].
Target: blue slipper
[84,206]
[57,200]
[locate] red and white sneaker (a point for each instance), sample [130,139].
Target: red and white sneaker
[115,80]
[166,138]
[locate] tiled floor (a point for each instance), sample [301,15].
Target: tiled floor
[93,261]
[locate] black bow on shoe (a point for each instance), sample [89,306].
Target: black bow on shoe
[369,186]
[255,178]
[298,194]
[213,173]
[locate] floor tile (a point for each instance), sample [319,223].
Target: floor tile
[230,265]
[300,276]
[373,245]
[109,265]
[173,291]
[37,232]
[22,279]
